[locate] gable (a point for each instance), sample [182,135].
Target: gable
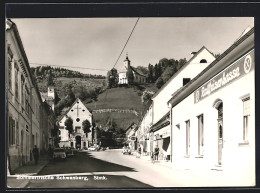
[77,109]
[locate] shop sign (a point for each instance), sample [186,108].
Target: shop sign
[235,71]
[166,133]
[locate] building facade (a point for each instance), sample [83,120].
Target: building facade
[23,103]
[213,117]
[78,112]
[160,131]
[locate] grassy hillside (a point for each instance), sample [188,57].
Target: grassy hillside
[117,98]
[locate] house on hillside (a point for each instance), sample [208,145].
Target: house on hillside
[78,112]
[138,76]
[49,96]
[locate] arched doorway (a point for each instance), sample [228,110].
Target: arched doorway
[78,142]
[219,107]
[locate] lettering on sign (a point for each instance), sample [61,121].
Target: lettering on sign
[235,71]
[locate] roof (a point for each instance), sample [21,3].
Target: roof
[224,54]
[66,112]
[184,66]
[136,70]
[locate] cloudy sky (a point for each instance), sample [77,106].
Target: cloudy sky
[96,43]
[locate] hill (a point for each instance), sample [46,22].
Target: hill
[117,106]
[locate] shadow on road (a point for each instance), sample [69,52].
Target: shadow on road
[83,162]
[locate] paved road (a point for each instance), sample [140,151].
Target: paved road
[110,169]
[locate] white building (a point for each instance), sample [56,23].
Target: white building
[78,139]
[139,77]
[23,102]
[213,118]
[161,130]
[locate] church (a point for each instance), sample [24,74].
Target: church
[78,139]
[139,77]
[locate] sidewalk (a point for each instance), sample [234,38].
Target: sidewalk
[29,169]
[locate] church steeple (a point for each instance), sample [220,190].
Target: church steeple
[127,61]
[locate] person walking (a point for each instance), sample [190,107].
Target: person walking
[35,152]
[156,152]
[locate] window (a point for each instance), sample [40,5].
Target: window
[17,133]
[16,81]
[203,61]
[185,81]
[11,131]
[71,144]
[22,89]
[77,129]
[246,114]
[187,138]
[62,127]
[200,135]
[10,73]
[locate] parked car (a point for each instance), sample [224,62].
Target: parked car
[92,148]
[126,150]
[59,153]
[69,152]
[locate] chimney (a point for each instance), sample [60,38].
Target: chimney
[192,54]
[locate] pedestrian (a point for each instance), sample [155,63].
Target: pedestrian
[156,152]
[35,152]
[139,150]
[50,151]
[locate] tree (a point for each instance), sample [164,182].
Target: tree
[69,125]
[130,76]
[50,81]
[112,78]
[86,126]
[159,82]
[150,77]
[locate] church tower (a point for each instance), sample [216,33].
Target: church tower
[127,62]
[51,96]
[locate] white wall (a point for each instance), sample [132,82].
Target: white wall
[190,71]
[237,161]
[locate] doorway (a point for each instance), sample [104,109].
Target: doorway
[219,108]
[78,142]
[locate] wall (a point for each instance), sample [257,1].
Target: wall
[238,161]
[190,71]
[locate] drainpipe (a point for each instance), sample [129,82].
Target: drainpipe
[170,106]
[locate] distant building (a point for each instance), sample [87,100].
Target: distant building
[139,77]
[49,96]
[78,112]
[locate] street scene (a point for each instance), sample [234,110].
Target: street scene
[130,102]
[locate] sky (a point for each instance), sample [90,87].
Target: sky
[96,43]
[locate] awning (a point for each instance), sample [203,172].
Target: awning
[166,142]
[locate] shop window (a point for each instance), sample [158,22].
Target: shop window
[200,135]
[246,114]
[185,81]
[187,138]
